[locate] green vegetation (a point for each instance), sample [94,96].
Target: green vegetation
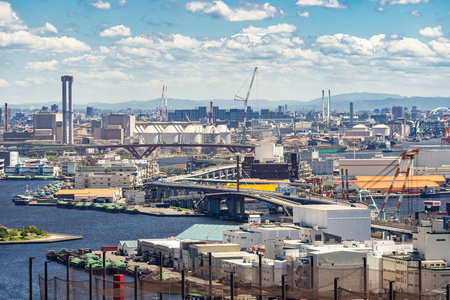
[28,233]
[181,208]
[51,157]
[327,187]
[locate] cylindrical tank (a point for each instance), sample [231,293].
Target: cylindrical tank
[152,134]
[381,129]
[211,135]
[171,134]
[225,134]
[192,134]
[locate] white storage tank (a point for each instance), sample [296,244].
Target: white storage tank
[152,134]
[225,134]
[211,135]
[171,134]
[381,130]
[192,134]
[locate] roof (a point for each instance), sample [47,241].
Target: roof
[129,244]
[205,232]
[89,192]
[329,207]
[435,178]
[384,182]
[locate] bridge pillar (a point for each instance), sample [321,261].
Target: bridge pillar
[212,205]
[236,207]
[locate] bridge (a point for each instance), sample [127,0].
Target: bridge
[43,147]
[222,172]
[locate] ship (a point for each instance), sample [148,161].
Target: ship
[23,199]
[432,193]
[330,148]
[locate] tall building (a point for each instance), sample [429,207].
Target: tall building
[89,111]
[398,112]
[351,114]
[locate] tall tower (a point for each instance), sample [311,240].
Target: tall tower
[351,114]
[67,109]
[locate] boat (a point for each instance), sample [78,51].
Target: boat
[432,193]
[23,199]
[387,150]
[330,149]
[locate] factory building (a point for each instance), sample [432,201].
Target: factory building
[45,126]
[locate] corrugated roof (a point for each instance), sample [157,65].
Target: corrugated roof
[384,185]
[129,244]
[205,232]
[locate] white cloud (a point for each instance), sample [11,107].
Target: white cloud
[9,21]
[247,12]
[381,9]
[21,83]
[27,41]
[432,32]
[46,28]
[416,13]
[101,5]
[108,75]
[402,2]
[119,30]
[324,3]
[3,82]
[122,3]
[41,65]
[304,14]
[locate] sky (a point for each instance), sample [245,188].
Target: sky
[123,50]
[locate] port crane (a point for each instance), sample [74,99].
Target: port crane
[404,168]
[238,98]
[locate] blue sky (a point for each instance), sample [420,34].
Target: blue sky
[121,50]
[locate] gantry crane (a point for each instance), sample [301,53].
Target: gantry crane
[238,98]
[404,168]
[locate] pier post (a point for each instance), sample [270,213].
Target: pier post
[420,279]
[46,280]
[136,280]
[68,278]
[336,288]
[448,292]
[232,286]
[104,275]
[118,287]
[260,275]
[391,290]
[283,287]
[90,282]
[160,272]
[30,264]
[365,277]
[182,285]
[210,275]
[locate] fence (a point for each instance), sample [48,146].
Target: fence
[246,282]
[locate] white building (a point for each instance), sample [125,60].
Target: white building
[127,248]
[350,223]
[432,240]
[325,166]
[269,152]
[385,166]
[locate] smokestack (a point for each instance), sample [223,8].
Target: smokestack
[323,105]
[329,107]
[167,116]
[67,111]
[161,106]
[351,113]
[64,110]
[211,120]
[6,117]
[70,111]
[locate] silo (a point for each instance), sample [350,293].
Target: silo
[192,134]
[380,130]
[225,134]
[211,135]
[171,134]
[152,134]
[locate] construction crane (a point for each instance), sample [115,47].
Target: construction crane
[404,168]
[238,98]
[161,106]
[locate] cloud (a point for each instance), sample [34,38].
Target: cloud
[122,3]
[101,5]
[46,28]
[381,9]
[9,21]
[324,3]
[432,32]
[41,65]
[304,14]
[415,13]
[119,30]
[21,83]
[23,40]
[402,2]
[108,75]
[247,12]
[3,82]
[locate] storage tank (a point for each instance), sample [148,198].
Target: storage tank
[381,129]
[152,134]
[171,134]
[192,134]
[225,134]
[211,135]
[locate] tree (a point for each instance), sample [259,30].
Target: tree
[23,234]
[3,234]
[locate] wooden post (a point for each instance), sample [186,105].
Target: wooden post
[210,275]
[336,288]
[232,286]
[30,264]
[104,275]
[90,282]
[283,287]
[160,272]
[136,280]
[46,280]
[260,275]
[183,288]
[68,278]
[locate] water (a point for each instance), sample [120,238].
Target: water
[97,228]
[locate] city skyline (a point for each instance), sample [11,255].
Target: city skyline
[126,50]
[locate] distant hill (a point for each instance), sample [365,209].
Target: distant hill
[361,101]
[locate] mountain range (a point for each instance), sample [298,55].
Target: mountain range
[361,102]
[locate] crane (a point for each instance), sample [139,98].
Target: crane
[404,168]
[238,98]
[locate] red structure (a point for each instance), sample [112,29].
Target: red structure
[118,287]
[133,148]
